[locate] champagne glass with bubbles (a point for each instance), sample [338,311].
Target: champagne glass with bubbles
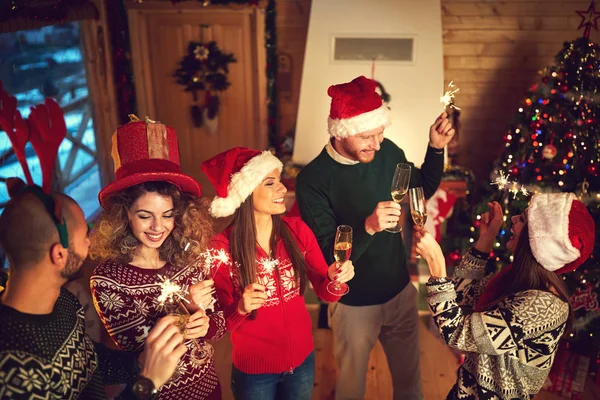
[400,184]
[342,248]
[418,211]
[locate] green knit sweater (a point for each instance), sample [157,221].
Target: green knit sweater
[330,194]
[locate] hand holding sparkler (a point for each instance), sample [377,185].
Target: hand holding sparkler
[441,132]
[253,298]
[201,294]
[491,222]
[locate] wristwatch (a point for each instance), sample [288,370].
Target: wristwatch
[143,389]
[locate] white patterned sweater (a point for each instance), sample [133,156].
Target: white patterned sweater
[509,348]
[126,298]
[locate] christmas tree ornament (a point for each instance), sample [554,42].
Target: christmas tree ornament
[549,151]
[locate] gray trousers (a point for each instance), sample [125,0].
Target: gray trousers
[355,333]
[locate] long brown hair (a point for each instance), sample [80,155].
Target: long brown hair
[527,274]
[243,245]
[112,238]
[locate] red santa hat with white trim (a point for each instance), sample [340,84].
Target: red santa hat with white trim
[235,174]
[356,108]
[561,231]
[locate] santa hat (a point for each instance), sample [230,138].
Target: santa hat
[356,108]
[235,174]
[146,151]
[561,231]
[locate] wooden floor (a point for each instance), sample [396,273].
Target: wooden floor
[438,367]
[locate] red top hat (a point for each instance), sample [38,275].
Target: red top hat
[146,151]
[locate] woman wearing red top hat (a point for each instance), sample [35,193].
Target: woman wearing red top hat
[261,263]
[151,236]
[510,325]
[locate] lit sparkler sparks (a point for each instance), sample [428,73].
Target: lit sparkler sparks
[170,291]
[501,180]
[448,98]
[268,264]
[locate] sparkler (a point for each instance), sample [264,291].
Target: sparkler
[170,291]
[448,98]
[515,188]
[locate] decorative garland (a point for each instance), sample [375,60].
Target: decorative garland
[204,68]
[56,11]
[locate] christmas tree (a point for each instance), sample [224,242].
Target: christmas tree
[553,145]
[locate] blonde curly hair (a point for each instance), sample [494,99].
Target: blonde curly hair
[112,238]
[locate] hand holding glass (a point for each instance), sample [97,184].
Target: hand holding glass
[400,184]
[202,352]
[342,248]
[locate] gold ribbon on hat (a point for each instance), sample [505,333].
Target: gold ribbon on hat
[156,134]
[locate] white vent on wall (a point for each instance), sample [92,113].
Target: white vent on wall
[394,49]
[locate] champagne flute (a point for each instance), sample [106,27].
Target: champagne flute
[201,353]
[400,184]
[418,211]
[342,248]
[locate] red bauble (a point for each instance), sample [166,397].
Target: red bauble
[549,151]
[545,79]
[592,169]
[454,256]
[563,88]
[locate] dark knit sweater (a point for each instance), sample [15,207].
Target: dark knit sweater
[51,357]
[330,194]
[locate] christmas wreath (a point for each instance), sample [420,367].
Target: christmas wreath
[204,68]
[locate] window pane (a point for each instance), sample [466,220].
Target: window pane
[48,62]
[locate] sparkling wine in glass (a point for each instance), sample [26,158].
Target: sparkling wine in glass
[418,211]
[201,352]
[400,184]
[342,248]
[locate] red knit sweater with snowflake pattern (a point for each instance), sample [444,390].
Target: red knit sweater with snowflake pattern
[126,299]
[280,337]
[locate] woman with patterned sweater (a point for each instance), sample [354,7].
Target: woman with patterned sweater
[261,263]
[510,324]
[155,227]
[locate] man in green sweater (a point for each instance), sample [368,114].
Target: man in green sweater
[349,183]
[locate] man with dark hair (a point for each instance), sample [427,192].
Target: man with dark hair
[44,350]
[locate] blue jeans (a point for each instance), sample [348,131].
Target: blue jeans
[285,386]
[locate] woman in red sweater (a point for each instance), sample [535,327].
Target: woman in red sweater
[154,227]
[261,263]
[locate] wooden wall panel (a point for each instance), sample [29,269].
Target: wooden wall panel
[493,51]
